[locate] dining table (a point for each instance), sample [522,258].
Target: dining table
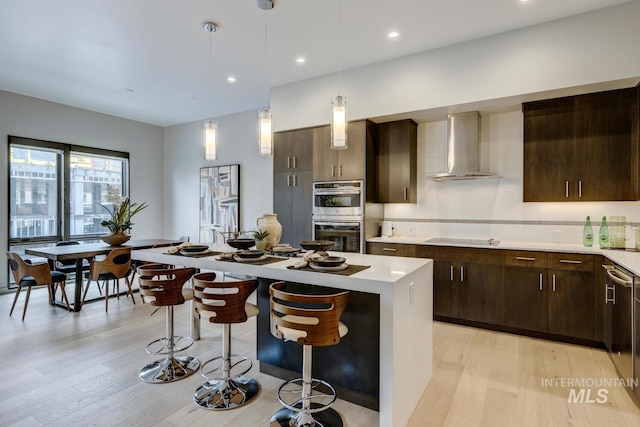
[88,251]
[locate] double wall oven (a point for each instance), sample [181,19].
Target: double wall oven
[338,214]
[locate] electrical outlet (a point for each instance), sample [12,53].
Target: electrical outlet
[557,236]
[412,230]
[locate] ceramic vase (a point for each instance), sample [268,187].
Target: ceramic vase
[269,222]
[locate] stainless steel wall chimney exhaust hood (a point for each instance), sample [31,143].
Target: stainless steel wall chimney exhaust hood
[463,132]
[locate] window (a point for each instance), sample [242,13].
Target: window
[56,190]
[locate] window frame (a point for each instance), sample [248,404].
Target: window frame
[64,185]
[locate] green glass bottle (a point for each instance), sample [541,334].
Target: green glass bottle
[587,233]
[604,233]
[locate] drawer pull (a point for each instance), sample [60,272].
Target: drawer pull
[524,258]
[540,281]
[570,261]
[389,249]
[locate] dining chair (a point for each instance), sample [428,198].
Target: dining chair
[115,266]
[29,275]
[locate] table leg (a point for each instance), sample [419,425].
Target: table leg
[77,297]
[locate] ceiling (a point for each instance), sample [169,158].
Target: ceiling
[151,60]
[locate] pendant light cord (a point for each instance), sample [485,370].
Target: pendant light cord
[339,45]
[266,64]
[210,70]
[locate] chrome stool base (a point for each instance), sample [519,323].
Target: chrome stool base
[288,418]
[221,395]
[169,369]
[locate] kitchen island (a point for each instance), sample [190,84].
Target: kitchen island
[404,289]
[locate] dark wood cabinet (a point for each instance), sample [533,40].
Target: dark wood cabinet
[468,283]
[292,183]
[393,249]
[396,162]
[552,293]
[341,165]
[582,148]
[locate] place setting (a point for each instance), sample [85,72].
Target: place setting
[249,256]
[325,263]
[191,250]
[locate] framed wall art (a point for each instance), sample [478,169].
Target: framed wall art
[219,201]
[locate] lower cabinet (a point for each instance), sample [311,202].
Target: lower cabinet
[559,294]
[551,292]
[468,283]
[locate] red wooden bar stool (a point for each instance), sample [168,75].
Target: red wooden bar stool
[309,320]
[224,303]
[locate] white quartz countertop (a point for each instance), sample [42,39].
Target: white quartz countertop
[630,259]
[384,271]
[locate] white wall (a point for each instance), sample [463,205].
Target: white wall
[34,118]
[184,156]
[594,47]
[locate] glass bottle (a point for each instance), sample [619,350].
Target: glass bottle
[587,233]
[604,233]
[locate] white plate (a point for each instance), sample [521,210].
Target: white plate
[238,259]
[334,268]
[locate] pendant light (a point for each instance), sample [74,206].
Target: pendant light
[265,135]
[210,126]
[339,116]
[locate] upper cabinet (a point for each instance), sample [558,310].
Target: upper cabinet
[292,151]
[341,165]
[396,162]
[582,148]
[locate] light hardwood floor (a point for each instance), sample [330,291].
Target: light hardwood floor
[81,369]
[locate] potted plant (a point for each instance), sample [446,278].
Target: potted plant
[261,236]
[119,221]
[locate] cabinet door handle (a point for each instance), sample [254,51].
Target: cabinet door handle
[608,288]
[461,274]
[452,273]
[295,180]
[295,162]
[540,281]
[580,188]
[570,261]
[554,282]
[524,258]
[333,171]
[340,170]
[288,180]
[288,162]
[566,189]
[389,249]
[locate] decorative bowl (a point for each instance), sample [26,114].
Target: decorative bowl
[241,243]
[249,254]
[329,261]
[115,239]
[317,245]
[194,248]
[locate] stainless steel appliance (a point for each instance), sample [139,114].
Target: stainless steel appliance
[346,235]
[338,214]
[619,320]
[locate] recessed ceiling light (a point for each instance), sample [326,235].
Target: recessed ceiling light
[393,34]
[300,60]
[231,79]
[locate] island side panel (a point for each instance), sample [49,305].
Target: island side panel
[351,366]
[413,341]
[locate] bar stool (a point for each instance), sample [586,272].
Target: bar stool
[224,303]
[164,287]
[309,320]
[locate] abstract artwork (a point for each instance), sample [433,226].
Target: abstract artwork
[219,202]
